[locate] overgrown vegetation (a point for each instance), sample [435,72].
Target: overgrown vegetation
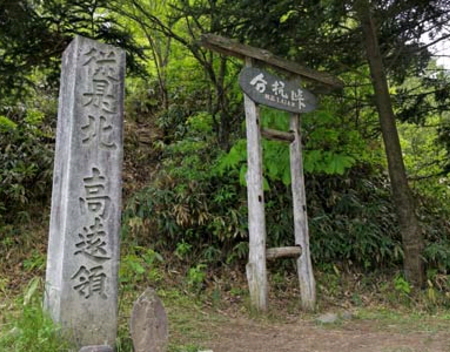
[184,224]
[31,329]
[26,160]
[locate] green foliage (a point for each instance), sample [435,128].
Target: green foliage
[6,124]
[34,34]
[190,209]
[329,150]
[198,212]
[196,276]
[32,330]
[183,249]
[438,254]
[327,162]
[434,217]
[26,159]
[352,221]
[194,207]
[35,261]
[141,266]
[401,285]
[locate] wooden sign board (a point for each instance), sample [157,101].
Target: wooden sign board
[267,89]
[322,81]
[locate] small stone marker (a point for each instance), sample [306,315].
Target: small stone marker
[327,318]
[148,324]
[83,252]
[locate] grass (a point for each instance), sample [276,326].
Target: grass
[28,327]
[189,322]
[405,321]
[197,306]
[193,318]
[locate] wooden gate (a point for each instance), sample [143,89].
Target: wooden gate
[261,87]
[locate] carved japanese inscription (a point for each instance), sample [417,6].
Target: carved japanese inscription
[83,251]
[95,199]
[90,281]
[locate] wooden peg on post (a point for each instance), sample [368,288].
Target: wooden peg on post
[283,252]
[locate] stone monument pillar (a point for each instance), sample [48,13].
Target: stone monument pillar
[83,251]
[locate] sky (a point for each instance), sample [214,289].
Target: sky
[442,48]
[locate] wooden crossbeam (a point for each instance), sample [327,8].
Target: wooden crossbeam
[277,135]
[284,252]
[230,47]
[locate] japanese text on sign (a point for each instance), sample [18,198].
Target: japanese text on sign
[264,88]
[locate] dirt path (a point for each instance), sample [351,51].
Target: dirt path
[242,335]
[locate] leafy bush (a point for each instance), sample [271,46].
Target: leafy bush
[26,159]
[189,205]
[140,266]
[352,220]
[436,228]
[196,207]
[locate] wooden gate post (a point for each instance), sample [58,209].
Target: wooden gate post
[304,265]
[263,88]
[256,266]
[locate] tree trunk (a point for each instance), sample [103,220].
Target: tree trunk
[410,228]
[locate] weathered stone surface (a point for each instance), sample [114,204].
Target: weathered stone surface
[83,251]
[346,315]
[148,324]
[96,348]
[327,318]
